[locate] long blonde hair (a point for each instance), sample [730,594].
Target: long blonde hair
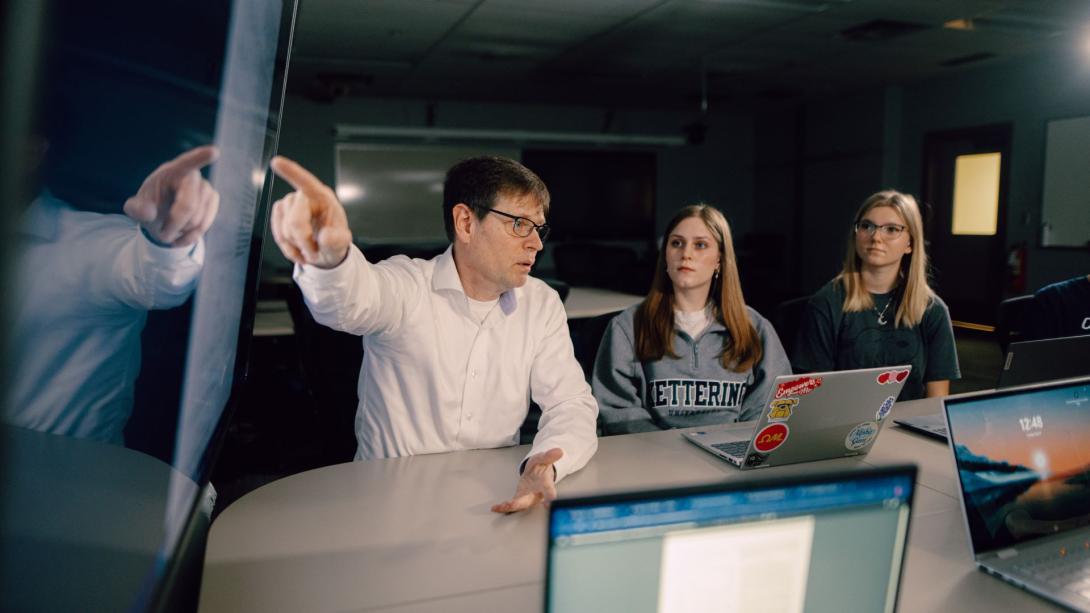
[912,278]
[654,321]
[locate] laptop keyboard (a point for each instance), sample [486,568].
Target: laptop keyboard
[733,448]
[1068,568]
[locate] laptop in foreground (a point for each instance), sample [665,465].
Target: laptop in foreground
[824,542]
[1026,362]
[1023,466]
[817,416]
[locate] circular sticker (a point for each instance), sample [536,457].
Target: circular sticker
[770,437]
[861,436]
[887,406]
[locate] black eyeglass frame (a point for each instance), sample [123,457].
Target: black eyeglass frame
[861,228]
[542,229]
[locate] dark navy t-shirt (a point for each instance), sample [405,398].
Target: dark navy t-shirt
[1060,309]
[830,339]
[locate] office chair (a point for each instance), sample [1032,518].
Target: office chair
[1011,320]
[329,362]
[786,319]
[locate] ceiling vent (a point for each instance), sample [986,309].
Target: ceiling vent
[968,59]
[880,30]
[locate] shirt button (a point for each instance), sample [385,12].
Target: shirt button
[473,374]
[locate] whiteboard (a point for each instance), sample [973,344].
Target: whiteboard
[1065,202]
[393,193]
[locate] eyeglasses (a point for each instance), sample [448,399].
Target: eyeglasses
[522,227]
[889,230]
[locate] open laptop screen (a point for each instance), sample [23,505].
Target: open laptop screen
[826,543]
[1023,462]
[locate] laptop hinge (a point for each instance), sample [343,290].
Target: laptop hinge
[1006,554]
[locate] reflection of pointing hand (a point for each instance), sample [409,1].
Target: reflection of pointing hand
[309,225]
[175,205]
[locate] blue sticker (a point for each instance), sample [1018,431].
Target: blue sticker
[861,436]
[887,406]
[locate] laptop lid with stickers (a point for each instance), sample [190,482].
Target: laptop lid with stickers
[815,416]
[823,542]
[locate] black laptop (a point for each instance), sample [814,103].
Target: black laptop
[1027,362]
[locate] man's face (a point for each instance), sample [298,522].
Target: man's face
[499,259]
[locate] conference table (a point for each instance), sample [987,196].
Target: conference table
[415,534]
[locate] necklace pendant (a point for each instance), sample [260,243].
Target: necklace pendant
[881,319]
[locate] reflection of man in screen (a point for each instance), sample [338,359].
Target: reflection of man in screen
[85,282]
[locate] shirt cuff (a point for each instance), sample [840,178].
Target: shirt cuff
[522,468]
[167,256]
[324,275]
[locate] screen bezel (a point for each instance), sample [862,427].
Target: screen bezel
[176,585]
[734,486]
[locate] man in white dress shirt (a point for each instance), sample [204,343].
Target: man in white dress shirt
[454,347]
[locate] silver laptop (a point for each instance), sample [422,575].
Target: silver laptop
[817,416]
[1023,466]
[820,543]
[1026,362]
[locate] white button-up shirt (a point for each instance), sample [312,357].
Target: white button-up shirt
[84,284]
[435,379]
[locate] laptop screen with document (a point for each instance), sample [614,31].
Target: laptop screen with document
[829,542]
[1023,462]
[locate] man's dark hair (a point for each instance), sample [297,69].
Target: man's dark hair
[477,182]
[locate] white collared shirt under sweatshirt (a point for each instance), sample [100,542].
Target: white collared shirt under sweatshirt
[436,379]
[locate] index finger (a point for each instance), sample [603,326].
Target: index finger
[194,159]
[298,177]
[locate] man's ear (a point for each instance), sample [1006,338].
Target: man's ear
[464,222]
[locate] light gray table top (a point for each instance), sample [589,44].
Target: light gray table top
[592,301]
[272,318]
[416,535]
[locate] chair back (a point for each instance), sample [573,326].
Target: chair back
[1011,320]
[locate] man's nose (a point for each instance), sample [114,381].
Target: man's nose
[535,242]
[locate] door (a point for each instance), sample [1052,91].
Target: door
[966,176]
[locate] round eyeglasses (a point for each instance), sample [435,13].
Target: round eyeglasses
[522,227]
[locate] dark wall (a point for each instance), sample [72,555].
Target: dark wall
[1026,94]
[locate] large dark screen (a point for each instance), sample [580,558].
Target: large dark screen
[143,196]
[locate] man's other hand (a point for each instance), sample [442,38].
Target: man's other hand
[537,484]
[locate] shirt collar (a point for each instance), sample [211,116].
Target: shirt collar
[446,279]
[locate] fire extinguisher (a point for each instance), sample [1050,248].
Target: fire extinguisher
[1016,269]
